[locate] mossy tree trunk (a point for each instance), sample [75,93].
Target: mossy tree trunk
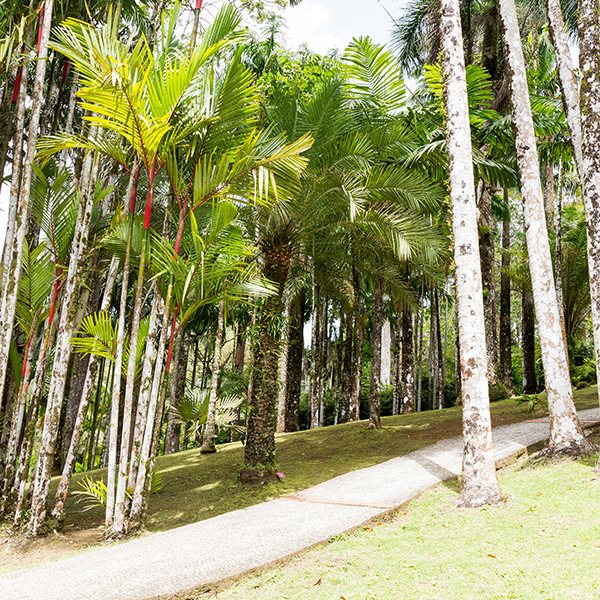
[259,455]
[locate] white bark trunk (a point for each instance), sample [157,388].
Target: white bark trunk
[62,353]
[386,353]
[283,361]
[566,434]
[137,504]
[208,443]
[588,138]
[479,480]
[86,394]
[14,259]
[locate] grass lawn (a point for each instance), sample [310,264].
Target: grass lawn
[541,543]
[198,486]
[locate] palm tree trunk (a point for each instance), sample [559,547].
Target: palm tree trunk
[586,142]
[397,334]
[314,358]
[505,338]
[62,353]
[488,269]
[283,366]
[15,250]
[259,454]
[208,443]
[153,414]
[528,344]
[294,363]
[85,397]
[347,371]
[375,387]
[479,480]
[566,435]
[408,379]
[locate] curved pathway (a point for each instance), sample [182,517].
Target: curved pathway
[180,560]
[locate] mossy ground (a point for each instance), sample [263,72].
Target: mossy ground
[198,486]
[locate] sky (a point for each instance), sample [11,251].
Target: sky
[323,25]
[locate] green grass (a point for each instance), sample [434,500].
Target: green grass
[541,543]
[198,486]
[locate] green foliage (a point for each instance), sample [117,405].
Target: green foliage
[533,402]
[193,408]
[94,492]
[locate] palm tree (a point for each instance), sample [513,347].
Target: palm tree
[479,480]
[566,435]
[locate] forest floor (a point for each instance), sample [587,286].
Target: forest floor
[197,487]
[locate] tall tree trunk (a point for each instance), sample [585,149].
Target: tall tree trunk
[259,455]
[587,159]
[294,362]
[566,435]
[421,321]
[152,421]
[528,344]
[62,355]
[347,370]
[479,480]
[397,334]
[408,377]
[173,431]
[283,367]
[315,353]
[15,255]
[208,443]
[488,269]
[375,387]
[357,367]
[386,352]
[505,338]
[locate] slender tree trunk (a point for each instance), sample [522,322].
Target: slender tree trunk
[173,431]
[208,443]
[479,480]
[528,344]
[421,318]
[566,435]
[315,350]
[408,377]
[397,335]
[589,163]
[505,338]
[488,269]
[152,423]
[283,367]
[386,352]
[375,387]
[62,354]
[294,363]
[347,371]
[15,255]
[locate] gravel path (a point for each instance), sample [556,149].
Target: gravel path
[173,562]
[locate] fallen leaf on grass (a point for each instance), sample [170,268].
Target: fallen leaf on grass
[318,582]
[408,566]
[492,555]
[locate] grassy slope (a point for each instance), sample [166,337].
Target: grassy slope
[540,543]
[198,487]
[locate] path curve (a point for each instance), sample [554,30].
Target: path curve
[183,559]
